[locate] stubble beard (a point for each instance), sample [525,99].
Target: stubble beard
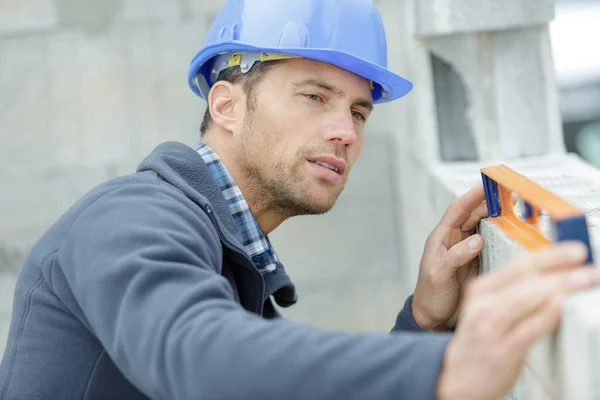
[275,185]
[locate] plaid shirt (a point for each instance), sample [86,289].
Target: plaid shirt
[255,243]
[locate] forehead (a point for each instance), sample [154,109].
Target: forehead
[297,69]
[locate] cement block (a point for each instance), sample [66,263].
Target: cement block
[511,100]
[527,108]
[443,17]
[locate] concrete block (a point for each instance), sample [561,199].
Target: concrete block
[528,111]
[499,248]
[511,105]
[443,17]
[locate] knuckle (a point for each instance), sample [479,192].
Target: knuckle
[457,253]
[432,277]
[430,238]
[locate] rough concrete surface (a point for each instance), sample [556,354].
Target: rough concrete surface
[494,68]
[440,17]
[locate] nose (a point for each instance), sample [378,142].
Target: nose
[342,130]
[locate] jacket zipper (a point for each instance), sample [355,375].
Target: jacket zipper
[232,246]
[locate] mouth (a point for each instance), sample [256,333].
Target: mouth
[325,165]
[329,167]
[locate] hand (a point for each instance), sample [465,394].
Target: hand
[505,312]
[449,263]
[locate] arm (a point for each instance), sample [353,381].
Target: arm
[405,320]
[142,263]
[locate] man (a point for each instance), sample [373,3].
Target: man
[160,284]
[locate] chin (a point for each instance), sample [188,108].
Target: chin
[319,205]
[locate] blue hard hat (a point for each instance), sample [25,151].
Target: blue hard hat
[346,33]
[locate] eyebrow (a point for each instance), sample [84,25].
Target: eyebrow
[333,89]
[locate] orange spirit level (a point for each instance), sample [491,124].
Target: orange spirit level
[568,221]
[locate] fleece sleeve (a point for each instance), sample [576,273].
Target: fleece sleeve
[142,262]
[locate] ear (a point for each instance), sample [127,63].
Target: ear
[222,100]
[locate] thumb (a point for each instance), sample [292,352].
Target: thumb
[465,251]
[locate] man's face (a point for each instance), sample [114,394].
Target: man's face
[300,138]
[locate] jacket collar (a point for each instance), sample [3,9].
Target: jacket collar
[183,167]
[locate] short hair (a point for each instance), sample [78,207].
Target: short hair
[249,81]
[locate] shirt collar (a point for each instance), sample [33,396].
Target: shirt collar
[255,243]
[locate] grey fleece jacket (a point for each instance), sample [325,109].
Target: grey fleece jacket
[142,289]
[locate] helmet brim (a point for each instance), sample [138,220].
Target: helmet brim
[391,85]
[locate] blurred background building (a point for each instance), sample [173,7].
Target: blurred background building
[573,32]
[88,88]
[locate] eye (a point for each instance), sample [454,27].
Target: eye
[358,115]
[313,97]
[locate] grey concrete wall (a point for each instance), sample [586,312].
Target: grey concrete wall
[88,88]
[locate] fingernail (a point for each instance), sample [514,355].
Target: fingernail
[474,242]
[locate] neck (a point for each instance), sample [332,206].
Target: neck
[267,217]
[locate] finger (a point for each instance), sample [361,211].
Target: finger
[524,335]
[480,212]
[561,256]
[465,251]
[525,298]
[467,272]
[473,271]
[461,209]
